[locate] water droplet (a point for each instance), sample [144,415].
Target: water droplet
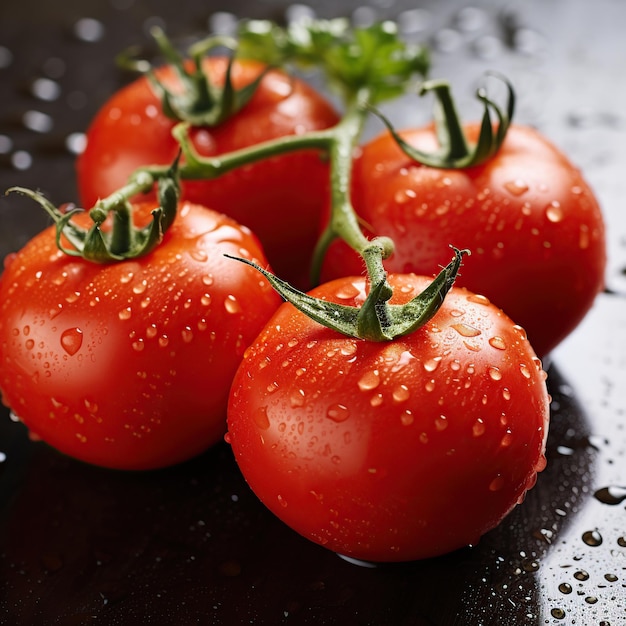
[495,373]
[376,399]
[432,364]
[407,418]
[612,578]
[347,291]
[516,187]
[281,501]
[592,538]
[581,575]
[523,368]
[72,340]
[21,160]
[591,599]
[565,588]
[612,495]
[125,314]
[338,413]
[3,457]
[232,305]
[297,399]
[369,380]
[441,423]
[557,613]
[478,428]
[45,89]
[37,121]
[554,212]
[89,30]
[496,484]
[465,330]
[261,419]
[583,237]
[497,342]
[138,345]
[478,299]
[75,143]
[401,393]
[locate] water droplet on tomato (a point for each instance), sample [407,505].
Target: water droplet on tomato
[524,370]
[296,399]
[592,538]
[232,305]
[441,423]
[347,291]
[516,187]
[260,418]
[495,373]
[376,399]
[497,342]
[496,484]
[125,314]
[432,364]
[281,501]
[401,393]
[478,428]
[506,440]
[465,330]
[138,345]
[478,299]
[72,340]
[369,380]
[554,212]
[338,413]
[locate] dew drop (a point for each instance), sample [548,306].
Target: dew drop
[496,484]
[297,399]
[557,613]
[72,340]
[347,291]
[338,413]
[432,364]
[554,212]
[441,423]
[478,299]
[125,314]
[495,373]
[138,345]
[581,575]
[261,419]
[612,495]
[407,418]
[369,380]
[465,330]
[37,121]
[282,501]
[506,393]
[232,305]
[516,187]
[523,368]
[497,342]
[401,393]
[592,538]
[565,588]
[478,428]
[376,399]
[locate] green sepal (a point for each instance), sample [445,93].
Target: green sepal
[201,102]
[375,320]
[123,241]
[455,152]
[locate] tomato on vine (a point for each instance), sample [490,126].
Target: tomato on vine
[118,344]
[532,222]
[229,105]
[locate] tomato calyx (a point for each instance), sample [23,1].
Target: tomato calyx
[201,102]
[455,151]
[376,319]
[123,240]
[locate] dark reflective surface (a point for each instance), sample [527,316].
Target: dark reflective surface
[191,544]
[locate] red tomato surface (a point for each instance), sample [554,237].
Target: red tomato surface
[532,223]
[390,451]
[128,364]
[280,199]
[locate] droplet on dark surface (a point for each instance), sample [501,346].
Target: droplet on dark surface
[592,538]
[612,495]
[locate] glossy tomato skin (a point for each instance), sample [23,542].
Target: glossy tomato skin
[128,365]
[532,223]
[391,451]
[279,199]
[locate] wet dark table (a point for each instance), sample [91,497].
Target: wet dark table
[191,544]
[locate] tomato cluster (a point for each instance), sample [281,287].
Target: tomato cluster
[368,444]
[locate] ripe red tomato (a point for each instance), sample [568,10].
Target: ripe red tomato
[532,223]
[279,199]
[128,364]
[389,451]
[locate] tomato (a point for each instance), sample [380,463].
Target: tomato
[532,223]
[128,365]
[280,199]
[391,451]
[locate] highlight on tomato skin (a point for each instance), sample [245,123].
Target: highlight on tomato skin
[532,223]
[131,131]
[127,365]
[391,451]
